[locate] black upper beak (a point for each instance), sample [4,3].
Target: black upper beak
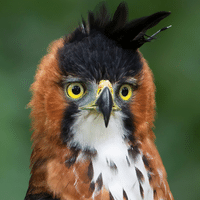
[105,104]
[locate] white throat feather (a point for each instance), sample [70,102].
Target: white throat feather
[113,163]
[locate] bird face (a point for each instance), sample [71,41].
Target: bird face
[96,104]
[99,98]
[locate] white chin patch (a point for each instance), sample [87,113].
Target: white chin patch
[113,162]
[89,129]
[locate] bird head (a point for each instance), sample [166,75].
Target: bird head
[95,79]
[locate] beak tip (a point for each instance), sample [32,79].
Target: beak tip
[106,120]
[106,124]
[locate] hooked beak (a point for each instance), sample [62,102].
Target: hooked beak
[105,104]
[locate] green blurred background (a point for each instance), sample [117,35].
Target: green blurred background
[27,28]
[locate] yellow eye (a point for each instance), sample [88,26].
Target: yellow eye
[125,92]
[75,90]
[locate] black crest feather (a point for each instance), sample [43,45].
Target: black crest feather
[129,35]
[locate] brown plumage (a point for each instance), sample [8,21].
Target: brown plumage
[64,171]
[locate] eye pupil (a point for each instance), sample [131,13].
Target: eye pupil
[124,91]
[76,89]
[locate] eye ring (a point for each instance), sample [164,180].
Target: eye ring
[75,90]
[125,92]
